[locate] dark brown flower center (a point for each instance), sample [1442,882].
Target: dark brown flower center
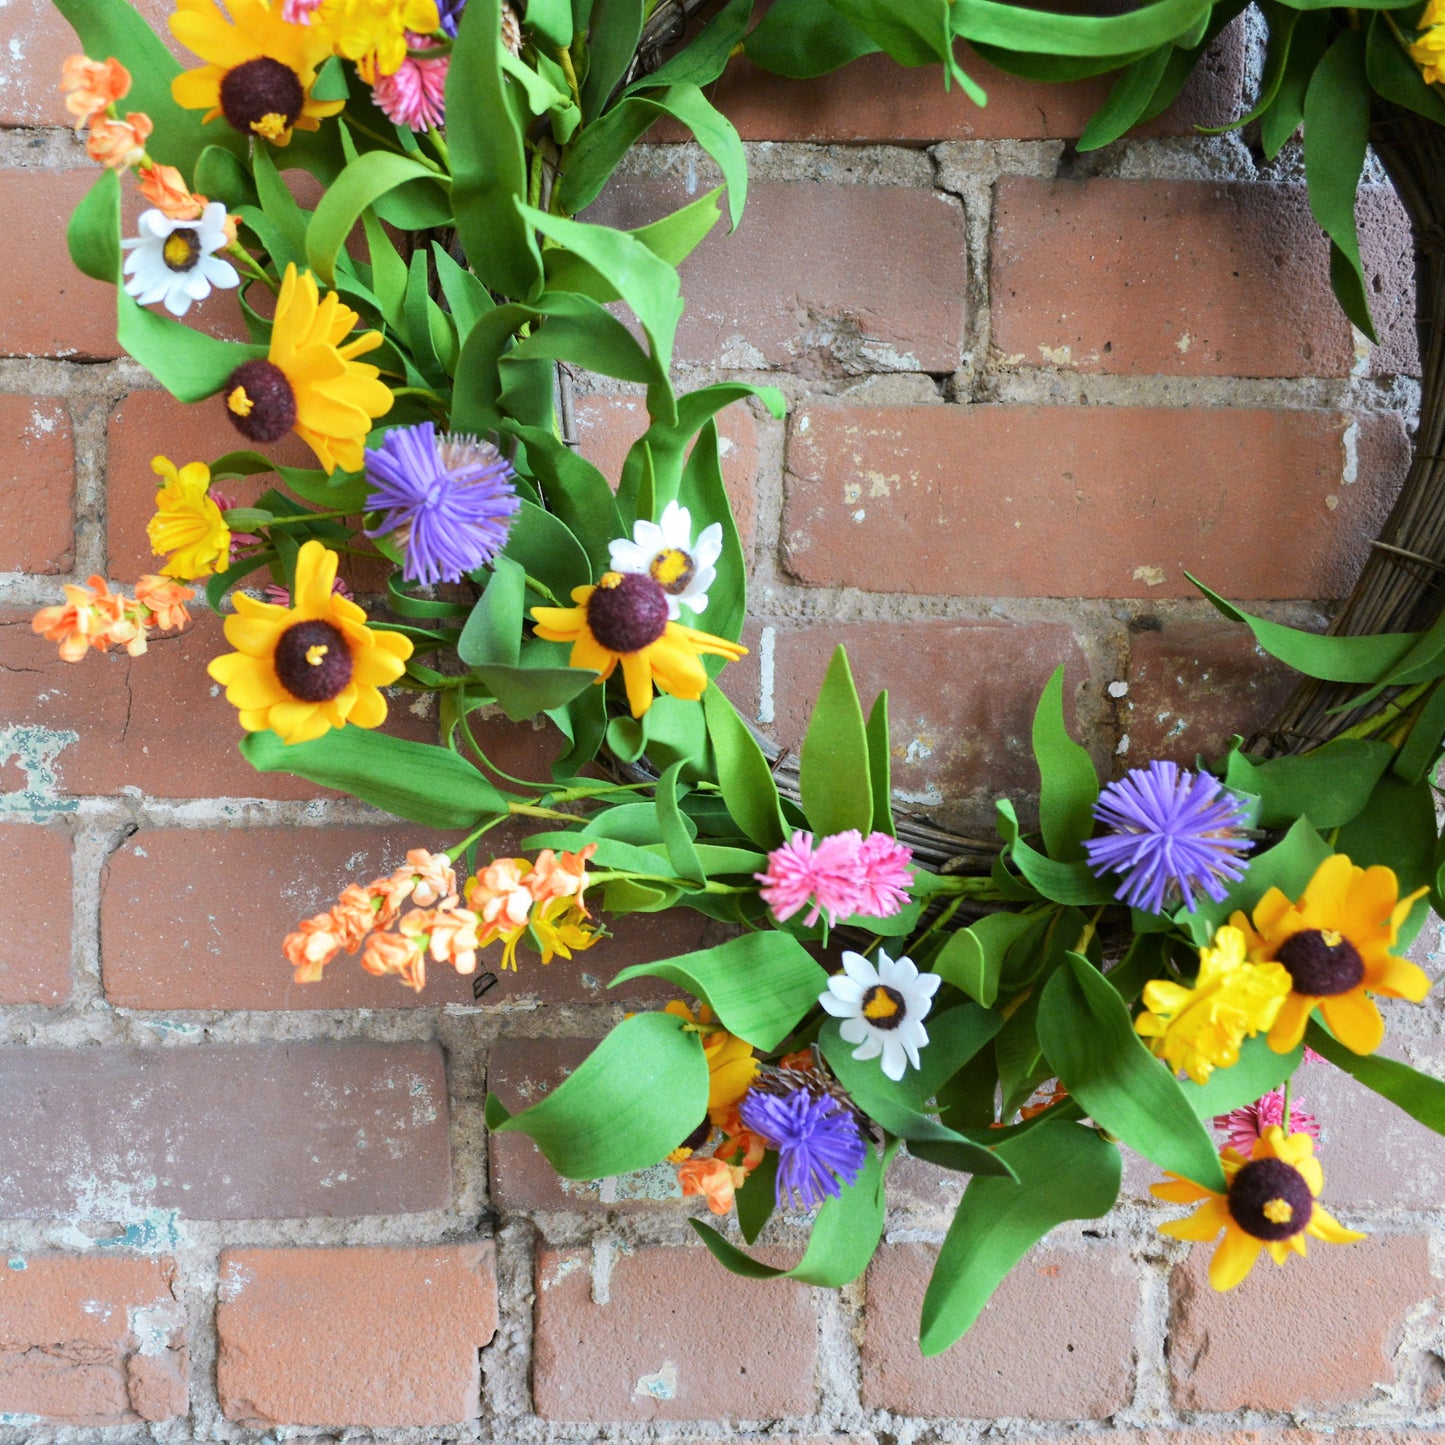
[262,95]
[1321,962]
[1270,1199]
[181,249]
[884,1007]
[672,569]
[627,611]
[313,661]
[260,401]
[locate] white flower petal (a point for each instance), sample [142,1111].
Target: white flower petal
[859,969]
[846,990]
[709,545]
[870,1048]
[627,556]
[855,1031]
[894,1060]
[676,528]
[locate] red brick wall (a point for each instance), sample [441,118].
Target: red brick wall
[1028,391]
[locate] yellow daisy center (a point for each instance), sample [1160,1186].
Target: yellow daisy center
[240,403]
[884,1007]
[672,569]
[1278,1211]
[182,249]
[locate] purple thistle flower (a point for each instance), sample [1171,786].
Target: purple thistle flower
[450,12]
[818,1142]
[450,498]
[1172,833]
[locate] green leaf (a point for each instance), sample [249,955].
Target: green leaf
[1396,829]
[915,34]
[756,1198]
[632,1101]
[489,170]
[703,492]
[759,985]
[1069,786]
[1280,21]
[833,772]
[1127,101]
[675,836]
[1307,48]
[371,175]
[972,959]
[1064,1171]
[93,231]
[552,19]
[1033,31]
[1329,784]
[1421,750]
[1337,127]
[705,57]
[465,295]
[603,144]
[493,632]
[880,767]
[743,774]
[1395,76]
[287,218]
[1419,1095]
[545,547]
[523,692]
[804,38]
[418,781]
[1071,883]
[1331,659]
[612,36]
[189,364]
[1257,1070]
[1088,1036]
[844,1238]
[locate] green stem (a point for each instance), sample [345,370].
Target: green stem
[456,852]
[293,520]
[443,152]
[542,590]
[1392,710]
[1288,1090]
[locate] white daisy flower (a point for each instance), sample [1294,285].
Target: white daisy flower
[664,551]
[174,262]
[882,1008]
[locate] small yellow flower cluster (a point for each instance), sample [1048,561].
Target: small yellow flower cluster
[1428,50]
[513,895]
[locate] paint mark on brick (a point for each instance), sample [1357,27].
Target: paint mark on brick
[661,1386]
[34,750]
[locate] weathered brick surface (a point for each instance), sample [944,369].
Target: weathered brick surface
[37,485]
[1181,278]
[1191,686]
[1343,1310]
[875,100]
[92,1340]
[373,1337]
[960,710]
[195,919]
[1087,502]
[608,425]
[654,1340]
[1054,1343]
[66,313]
[272,1131]
[35,965]
[812,281]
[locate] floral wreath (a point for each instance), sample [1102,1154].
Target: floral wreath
[1153,963]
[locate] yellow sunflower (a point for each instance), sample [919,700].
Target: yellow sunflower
[188,524]
[1270,1204]
[304,669]
[311,383]
[624,619]
[259,71]
[1336,944]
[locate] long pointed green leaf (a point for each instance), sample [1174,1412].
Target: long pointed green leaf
[371,175]
[1069,786]
[1419,1095]
[746,781]
[833,771]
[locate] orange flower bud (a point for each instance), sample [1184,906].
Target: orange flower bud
[117,144]
[166,599]
[91,87]
[715,1181]
[165,188]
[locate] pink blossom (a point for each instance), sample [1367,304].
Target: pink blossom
[282,597]
[299,12]
[241,542]
[1243,1127]
[844,874]
[415,95]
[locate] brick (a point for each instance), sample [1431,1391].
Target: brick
[36,40]
[1342,1309]
[1094,502]
[608,425]
[225,1132]
[37,485]
[195,919]
[112,722]
[519,1072]
[1192,686]
[35,964]
[875,100]
[66,313]
[630,1325]
[92,1340]
[1176,278]
[374,1337]
[149,423]
[810,281]
[1054,1343]
[961,699]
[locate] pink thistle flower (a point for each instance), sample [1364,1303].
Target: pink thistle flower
[842,875]
[884,884]
[281,596]
[241,542]
[415,94]
[1244,1127]
[299,12]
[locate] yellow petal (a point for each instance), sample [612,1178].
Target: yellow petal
[637,678]
[1354,1020]
[1289,1024]
[1204,1223]
[1233,1259]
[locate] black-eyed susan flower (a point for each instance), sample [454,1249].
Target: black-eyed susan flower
[188,522]
[1200,1029]
[373,33]
[1270,1202]
[304,669]
[259,69]
[623,619]
[1335,943]
[310,381]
